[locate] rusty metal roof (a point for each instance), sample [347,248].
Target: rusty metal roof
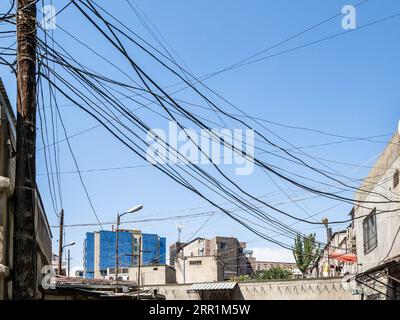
[213,286]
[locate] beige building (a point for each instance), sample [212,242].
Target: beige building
[7,174]
[195,269]
[153,275]
[236,259]
[149,275]
[339,256]
[198,247]
[377,226]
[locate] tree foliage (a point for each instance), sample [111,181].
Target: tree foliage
[274,273]
[306,252]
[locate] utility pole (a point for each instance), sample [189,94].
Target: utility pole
[69,262]
[116,252]
[60,242]
[139,264]
[132,210]
[24,252]
[184,267]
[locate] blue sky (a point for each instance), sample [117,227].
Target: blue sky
[347,85]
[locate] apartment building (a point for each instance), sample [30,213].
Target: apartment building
[7,178]
[377,226]
[233,254]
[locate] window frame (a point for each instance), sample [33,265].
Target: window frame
[370,240]
[396,178]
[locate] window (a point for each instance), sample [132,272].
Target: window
[223,245]
[195,263]
[396,179]
[370,232]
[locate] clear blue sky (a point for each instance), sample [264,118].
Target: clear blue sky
[347,85]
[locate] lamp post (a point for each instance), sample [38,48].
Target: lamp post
[132,210]
[69,258]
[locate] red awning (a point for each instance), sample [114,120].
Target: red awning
[344,257]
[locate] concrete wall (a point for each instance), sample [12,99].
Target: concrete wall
[302,289]
[210,269]
[313,289]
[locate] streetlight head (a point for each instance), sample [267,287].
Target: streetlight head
[72,243]
[135,209]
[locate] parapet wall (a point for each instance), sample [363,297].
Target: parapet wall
[299,289]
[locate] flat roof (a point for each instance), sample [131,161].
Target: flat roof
[210,286]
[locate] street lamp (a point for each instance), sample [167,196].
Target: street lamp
[69,244]
[69,254]
[132,210]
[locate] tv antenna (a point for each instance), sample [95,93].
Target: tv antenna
[179,228]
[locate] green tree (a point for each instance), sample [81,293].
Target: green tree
[274,273]
[306,252]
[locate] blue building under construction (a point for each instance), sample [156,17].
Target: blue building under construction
[99,251]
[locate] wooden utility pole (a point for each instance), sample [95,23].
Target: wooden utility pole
[140,262]
[24,258]
[69,263]
[60,242]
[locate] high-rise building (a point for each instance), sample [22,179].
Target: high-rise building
[99,251]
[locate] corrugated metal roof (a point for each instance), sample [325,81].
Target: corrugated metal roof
[213,286]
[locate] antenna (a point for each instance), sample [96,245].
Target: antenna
[179,228]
